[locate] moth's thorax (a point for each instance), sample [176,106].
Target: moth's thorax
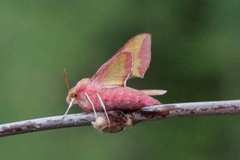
[72,93]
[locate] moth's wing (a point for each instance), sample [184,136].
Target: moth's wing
[154,92]
[140,47]
[115,71]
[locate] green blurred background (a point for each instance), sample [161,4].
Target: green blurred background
[195,56]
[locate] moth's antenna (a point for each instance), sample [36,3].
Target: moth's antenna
[66,78]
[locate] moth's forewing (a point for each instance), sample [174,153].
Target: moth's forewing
[140,47]
[116,71]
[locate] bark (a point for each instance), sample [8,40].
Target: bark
[120,120]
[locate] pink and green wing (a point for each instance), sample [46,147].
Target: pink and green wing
[140,47]
[132,60]
[116,71]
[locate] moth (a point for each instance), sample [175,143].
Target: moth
[107,89]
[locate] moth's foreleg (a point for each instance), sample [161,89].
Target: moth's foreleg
[104,108]
[70,105]
[93,107]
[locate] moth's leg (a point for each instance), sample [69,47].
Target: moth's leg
[90,101]
[104,108]
[70,105]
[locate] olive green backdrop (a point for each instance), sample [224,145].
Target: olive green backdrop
[195,56]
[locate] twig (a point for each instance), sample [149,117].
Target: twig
[120,120]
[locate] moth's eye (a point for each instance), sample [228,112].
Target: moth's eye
[74,95]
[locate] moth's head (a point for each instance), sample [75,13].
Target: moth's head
[73,92]
[72,97]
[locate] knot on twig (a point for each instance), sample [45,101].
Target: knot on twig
[119,120]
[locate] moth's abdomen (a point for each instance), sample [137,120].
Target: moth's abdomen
[125,98]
